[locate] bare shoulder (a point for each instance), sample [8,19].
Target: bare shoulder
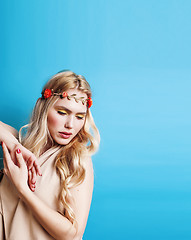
[82,195]
[87,184]
[88,165]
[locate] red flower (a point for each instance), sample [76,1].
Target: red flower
[47,93]
[89,102]
[64,94]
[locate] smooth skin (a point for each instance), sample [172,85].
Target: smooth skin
[57,225]
[66,116]
[9,136]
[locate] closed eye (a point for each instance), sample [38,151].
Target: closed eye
[80,117]
[62,112]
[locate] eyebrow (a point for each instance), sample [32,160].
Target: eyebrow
[68,110]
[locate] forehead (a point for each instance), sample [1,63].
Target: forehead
[72,105]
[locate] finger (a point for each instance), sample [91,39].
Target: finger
[37,168]
[30,163]
[33,181]
[27,156]
[5,166]
[5,171]
[4,162]
[33,162]
[20,159]
[29,181]
[13,157]
[29,176]
[7,158]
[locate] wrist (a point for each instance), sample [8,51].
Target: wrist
[8,135]
[26,194]
[13,143]
[24,191]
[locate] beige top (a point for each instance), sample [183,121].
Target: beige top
[16,219]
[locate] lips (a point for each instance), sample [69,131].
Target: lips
[65,135]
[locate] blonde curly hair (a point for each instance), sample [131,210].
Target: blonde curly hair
[71,157]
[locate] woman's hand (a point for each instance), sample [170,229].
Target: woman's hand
[58,226]
[9,135]
[31,162]
[17,173]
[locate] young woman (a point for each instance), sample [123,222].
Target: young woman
[62,135]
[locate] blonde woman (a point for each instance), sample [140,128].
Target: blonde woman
[58,145]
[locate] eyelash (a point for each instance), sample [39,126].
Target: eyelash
[64,113]
[80,118]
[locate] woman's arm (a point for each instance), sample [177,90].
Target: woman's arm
[9,136]
[82,195]
[58,226]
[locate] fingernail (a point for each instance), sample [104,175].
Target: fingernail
[18,150]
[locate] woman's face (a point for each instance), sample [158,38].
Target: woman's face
[66,118]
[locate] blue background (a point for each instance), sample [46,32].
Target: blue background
[137,57]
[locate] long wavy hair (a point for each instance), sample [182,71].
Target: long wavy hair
[70,158]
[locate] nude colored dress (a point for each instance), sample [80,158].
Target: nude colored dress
[16,220]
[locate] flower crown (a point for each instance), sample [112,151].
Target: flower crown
[47,93]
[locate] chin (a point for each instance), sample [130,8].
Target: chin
[63,142]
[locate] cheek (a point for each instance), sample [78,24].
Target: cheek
[52,121]
[79,126]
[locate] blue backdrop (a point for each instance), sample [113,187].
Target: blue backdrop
[136,56]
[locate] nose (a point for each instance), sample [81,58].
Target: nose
[69,122]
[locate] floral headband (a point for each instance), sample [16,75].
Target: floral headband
[47,93]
